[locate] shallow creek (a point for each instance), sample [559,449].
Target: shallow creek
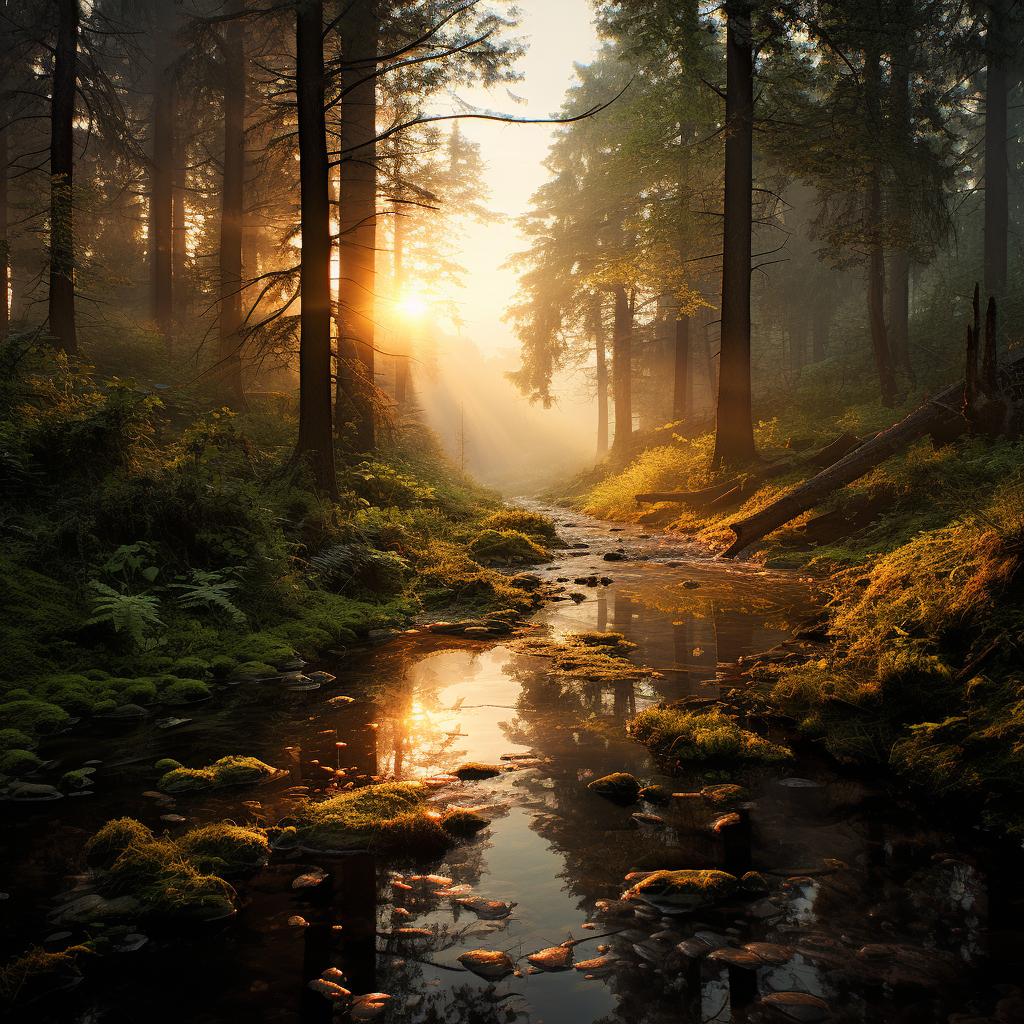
[938,912]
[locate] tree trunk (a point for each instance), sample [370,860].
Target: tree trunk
[358,200]
[401,335]
[876,309]
[622,371]
[734,429]
[161,174]
[316,442]
[680,408]
[62,165]
[232,201]
[996,201]
[899,309]
[602,382]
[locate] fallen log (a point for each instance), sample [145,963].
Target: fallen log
[720,495]
[961,401]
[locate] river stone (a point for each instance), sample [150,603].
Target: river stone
[491,910]
[369,1005]
[619,786]
[613,556]
[599,966]
[694,948]
[554,958]
[648,820]
[328,989]
[656,794]
[126,711]
[488,963]
[724,794]
[475,770]
[799,1006]
[310,879]
[737,958]
[752,881]
[770,953]
[321,677]
[686,889]
[32,791]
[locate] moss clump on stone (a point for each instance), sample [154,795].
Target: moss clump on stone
[753,882]
[461,823]
[18,762]
[167,764]
[184,691]
[224,849]
[507,547]
[533,524]
[222,666]
[190,668]
[14,739]
[706,737]
[34,716]
[113,839]
[621,787]
[656,794]
[476,770]
[140,691]
[77,779]
[105,706]
[38,973]
[594,657]
[254,670]
[688,889]
[390,818]
[228,771]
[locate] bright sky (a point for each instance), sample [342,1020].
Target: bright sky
[559,32]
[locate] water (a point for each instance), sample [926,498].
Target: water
[849,866]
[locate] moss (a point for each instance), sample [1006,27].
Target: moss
[167,764]
[587,656]
[103,707]
[184,691]
[38,973]
[476,770]
[754,883]
[140,691]
[507,547]
[190,668]
[461,823]
[222,666]
[706,737]
[77,779]
[232,770]
[96,675]
[254,670]
[224,849]
[619,786]
[656,794]
[184,780]
[113,839]
[686,888]
[390,818]
[13,739]
[18,762]
[532,524]
[19,693]
[34,716]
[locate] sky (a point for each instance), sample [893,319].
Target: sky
[559,33]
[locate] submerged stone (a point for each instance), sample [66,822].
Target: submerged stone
[656,794]
[492,910]
[619,786]
[488,963]
[799,1006]
[554,958]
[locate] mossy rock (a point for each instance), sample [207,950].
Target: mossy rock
[621,787]
[228,771]
[223,666]
[753,882]
[533,524]
[96,675]
[725,793]
[656,794]
[113,839]
[462,823]
[254,670]
[475,770]
[190,668]
[14,739]
[184,691]
[707,737]
[77,779]
[39,973]
[686,889]
[507,547]
[34,716]
[225,849]
[104,707]
[185,780]
[167,764]
[18,762]
[140,691]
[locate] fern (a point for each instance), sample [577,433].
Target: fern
[135,614]
[209,590]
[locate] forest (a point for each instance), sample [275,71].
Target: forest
[367,645]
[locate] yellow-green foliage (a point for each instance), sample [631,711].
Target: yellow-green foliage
[447,576]
[533,524]
[507,547]
[597,657]
[705,737]
[39,972]
[392,817]
[224,849]
[113,839]
[228,771]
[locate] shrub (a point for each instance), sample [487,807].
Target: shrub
[533,524]
[709,736]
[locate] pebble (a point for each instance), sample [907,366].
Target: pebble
[175,818]
[297,922]
[310,879]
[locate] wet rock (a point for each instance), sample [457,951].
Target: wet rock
[769,953]
[30,792]
[369,1005]
[695,948]
[737,958]
[174,819]
[690,584]
[477,631]
[429,881]
[310,879]
[296,921]
[799,783]
[586,581]
[685,889]
[489,964]
[606,581]
[526,581]
[753,882]
[476,770]
[613,556]
[648,820]
[577,597]
[726,793]
[656,794]
[322,677]
[492,910]
[130,943]
[125,712]
[555,958]
[328,989]
[620,787]
[171,722]
[598,966]
[614,908]
[799,1006]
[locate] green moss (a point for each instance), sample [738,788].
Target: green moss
[11,739]
[39,972]
[184,780]
[619,786]
[461,823]
[228,771]
[18,762]
[184,691]
[19,693]
[113,839]
[96,675]
[223,666]
[167,764]
[103,707]
[687,888]
[140,691]
[477,770]
[507,547]
[532,524]
[33,716]
[77,779]
[586,656]
[224,849]
[254,670]
[706,737]
[190,668]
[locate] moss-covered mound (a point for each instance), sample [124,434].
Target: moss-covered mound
[228,771]
[534,525]
[113,839]
[619,786]
[392,818]
[507,547]
[224,849]
[595,657]
[706,737]
[38,973]
[686,889]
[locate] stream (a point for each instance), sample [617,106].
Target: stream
[884,914]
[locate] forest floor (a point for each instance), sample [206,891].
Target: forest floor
[923,558]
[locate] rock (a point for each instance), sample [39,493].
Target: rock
[475,770]
[368,1006]
[125,712]
[613,556]
[477,631]
[491,910]
[175,819]
[577,597]
[619,786]
[690,584]
[650,820]
[606,581]
[526,581]
[310,879]
[429,881]
[31,792]
[488,963]
[725,793]
[770,953]
[752,881]
[131,942]
[737,958]
[322,677]
[686,889]
[799,784]
[694,948]
[170,723]
[297,922]
[328,989]
[798,1006]
[554,958]
[598,967]
[614,908]
[656,794]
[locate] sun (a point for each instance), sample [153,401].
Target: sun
[411,305]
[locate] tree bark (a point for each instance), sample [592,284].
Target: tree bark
[358,200]
[798,340]
[622,370]
[232,204]
[996,200]
[402,357]
[316,442]
[602,382]
[181,293]
[734,429]
[62,166]
[680,406]
[899,309]
[161,174]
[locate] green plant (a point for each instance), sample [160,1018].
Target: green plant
[135,614]
[207,589]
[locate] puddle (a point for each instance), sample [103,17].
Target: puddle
[848,867]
